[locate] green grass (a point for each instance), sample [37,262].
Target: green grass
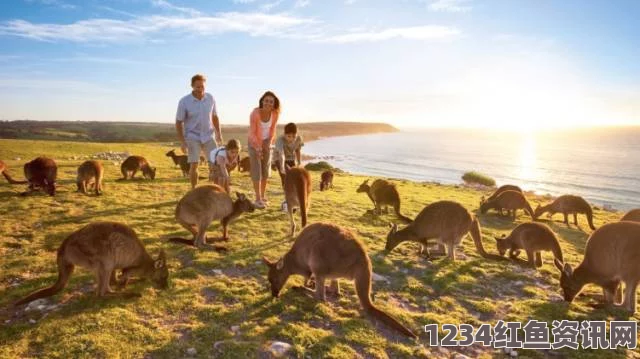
[200,307]
[479,178]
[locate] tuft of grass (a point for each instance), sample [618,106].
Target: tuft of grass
[321,166]
[479,178]
[231,314]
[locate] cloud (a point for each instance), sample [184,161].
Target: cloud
[168,6]
[350,2]
[270,5]
[116,11]
[302,3]
[426,32]
[243,1]
[450,5]
[111,30]
[56,3]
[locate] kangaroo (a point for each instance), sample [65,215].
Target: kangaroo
[244,165]
[297,187]
[512,201]
[181,160]
[327,251]
[202,205]
[632,215]
[533,238]
[132,164]
[610,257]
[90,171]
[41,172]
[566,205]
[383,193]
[104,247]
[506,187]
[446,221]
[5,173]
[326,180]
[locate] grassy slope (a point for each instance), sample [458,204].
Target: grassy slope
[201,307]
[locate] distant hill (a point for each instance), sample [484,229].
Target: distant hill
[162,132]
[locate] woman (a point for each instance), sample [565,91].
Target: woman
[262,126]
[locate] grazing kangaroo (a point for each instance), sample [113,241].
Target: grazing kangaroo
[244,164]
[326,180]
[632,215]
[383,193]
[512,201]
[133,164]
[327,251]
[297,187]
[90,172]
[506,187]
[610,257]
[5,173]
[446,221]
[533,238]
[566,205]
[181,160]
[202,205]
[104,247]
[42,172]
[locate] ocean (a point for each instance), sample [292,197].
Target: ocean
[602,165]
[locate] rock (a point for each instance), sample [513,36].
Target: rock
[235,328]
[217,272]
[379,278]
[192,352]
[7,321]
[514,354]
[507,350]
[17,159]
[217,344]
[52,307]
[258,263]
[518,283]
[279,349]
[42,307]
[443,350]
[35,305]
[460,356]
[32,321]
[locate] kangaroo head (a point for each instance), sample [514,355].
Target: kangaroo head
[570,287]
[537,212]
[277,276]
[160,273]
[364,187]
[152,173]
[482,200]
[393,239]
[171,153]
[243,204]
[502,245]
[484,207]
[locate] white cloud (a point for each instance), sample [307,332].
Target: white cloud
[110,30]
[168,6]
[270,5]
[243,1]
[427,32]
[116,11]
[56,3]
[302,3]
[350,2]
[450,5]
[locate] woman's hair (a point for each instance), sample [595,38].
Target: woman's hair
[276,101]
[233,144]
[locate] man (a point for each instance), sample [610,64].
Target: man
[197,124]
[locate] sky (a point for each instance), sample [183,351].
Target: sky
[514,64]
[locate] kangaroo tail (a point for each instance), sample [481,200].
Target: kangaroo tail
[477,237]
[190,242]
[406,219]
[529,210]
[11,180]
[363,289]
[64,272]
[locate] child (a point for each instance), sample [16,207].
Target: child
[287,149]
[223,160]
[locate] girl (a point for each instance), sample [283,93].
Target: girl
[223,160]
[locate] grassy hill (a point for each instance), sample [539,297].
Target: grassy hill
[162,132]
[219,304]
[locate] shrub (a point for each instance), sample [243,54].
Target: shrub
[320,166]
[476,177]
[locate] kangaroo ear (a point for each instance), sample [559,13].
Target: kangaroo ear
[558,264]
[266,261]
[161,261]
[567,269]
[280,264]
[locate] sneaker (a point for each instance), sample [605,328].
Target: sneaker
[258,204]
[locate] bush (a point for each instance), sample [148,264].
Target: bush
[320,166]
[476,177]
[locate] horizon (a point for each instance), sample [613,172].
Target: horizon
[417,64]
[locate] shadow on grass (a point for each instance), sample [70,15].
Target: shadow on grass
[109,212]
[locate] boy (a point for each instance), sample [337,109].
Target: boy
[223,160]
[287,149]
